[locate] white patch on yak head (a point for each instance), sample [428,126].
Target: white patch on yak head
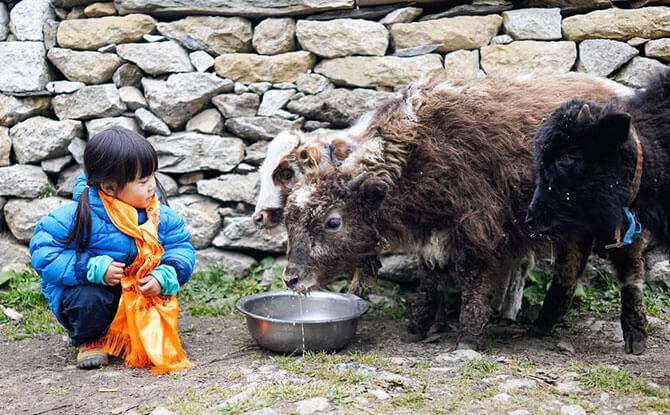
[302,194]
[269,196]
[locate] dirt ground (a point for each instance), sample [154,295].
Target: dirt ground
[38,376]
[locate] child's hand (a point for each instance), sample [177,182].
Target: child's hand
[113,274]
[150,286]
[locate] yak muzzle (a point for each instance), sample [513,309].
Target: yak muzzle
[266,219]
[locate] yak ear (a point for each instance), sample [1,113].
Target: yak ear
[374,193]
[613,129]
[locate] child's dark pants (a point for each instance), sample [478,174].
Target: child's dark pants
[87,311]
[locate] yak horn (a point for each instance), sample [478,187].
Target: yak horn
[356,182]
[584,114]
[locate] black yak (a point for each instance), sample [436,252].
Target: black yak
[447,174]
[602,169]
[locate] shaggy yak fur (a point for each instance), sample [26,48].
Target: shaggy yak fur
[448,174]
[587,151]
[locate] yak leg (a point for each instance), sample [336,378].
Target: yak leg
[424,306]
[476,310]
[629,264]
[570,262]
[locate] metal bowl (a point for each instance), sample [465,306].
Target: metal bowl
[286,322]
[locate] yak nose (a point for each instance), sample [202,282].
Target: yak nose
[259,219]
[289,277]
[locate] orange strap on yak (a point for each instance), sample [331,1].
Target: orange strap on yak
[144,330]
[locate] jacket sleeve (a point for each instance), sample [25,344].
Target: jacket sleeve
[54,262]
[179,253]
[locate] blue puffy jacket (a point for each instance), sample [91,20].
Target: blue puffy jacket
[59,266]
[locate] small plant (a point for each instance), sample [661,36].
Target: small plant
[613,380]
[478,369]
[537,285]
[24,295]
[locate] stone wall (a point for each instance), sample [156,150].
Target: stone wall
[210,83]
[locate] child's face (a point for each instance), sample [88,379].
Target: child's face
[138,193]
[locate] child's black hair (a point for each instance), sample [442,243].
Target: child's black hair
[115,155]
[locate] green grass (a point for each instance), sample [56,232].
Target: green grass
[473,370]
[21,291]
[215,292]
[662,406]
[616,381]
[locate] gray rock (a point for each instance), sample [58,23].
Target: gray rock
[244,168]
[417,50]
[572,410]
[313,83]
[240,233]
[176,100]
[636,73]
[16,109]
[256,153]
[87,67]
[23,180]
[66,181]
[4,22]
[462,64]
[151,124]
[50,30]
[260,87]
[287,115]
[207,122]
[100,124]
[5,146]
[55,165]
[399,268]
[240,88]
[338,106]
[162,411]
[89,102]
[230,7]
[156,58]
[132,97]
[28,17]
[343,37]
[232,105]
[22,215]
[107,49]
[312,125]
[216,35]
[264,411]
[76,149]
[260,128]
[565,347]
[540,24]
[233,262]
[403,15]
[169,184]
[603,56]
[201,60]
[274,100]
[658,273]
[93,33]
[200,216]
[313,406]
[458,356]
[502,40]
[231,188]
[154,38]
[13,255]
[23,67]
[378,374]
[128,74]
[40,138]
[516,384]
[274,35]
[64,87]
[659,48]
[191,178]
[188,152]
[519,412]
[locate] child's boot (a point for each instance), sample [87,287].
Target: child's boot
[91,355]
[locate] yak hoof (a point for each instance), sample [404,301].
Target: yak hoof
[469,343]
[413,337]
[636,347]
[537,331]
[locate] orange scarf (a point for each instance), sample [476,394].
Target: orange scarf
[144,330]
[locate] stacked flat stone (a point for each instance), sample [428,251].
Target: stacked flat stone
[209,82]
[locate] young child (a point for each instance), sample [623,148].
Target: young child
[111,263]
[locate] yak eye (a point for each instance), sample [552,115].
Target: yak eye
[565,161]
[286,174]
[334,222]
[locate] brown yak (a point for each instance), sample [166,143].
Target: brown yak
[449,176]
